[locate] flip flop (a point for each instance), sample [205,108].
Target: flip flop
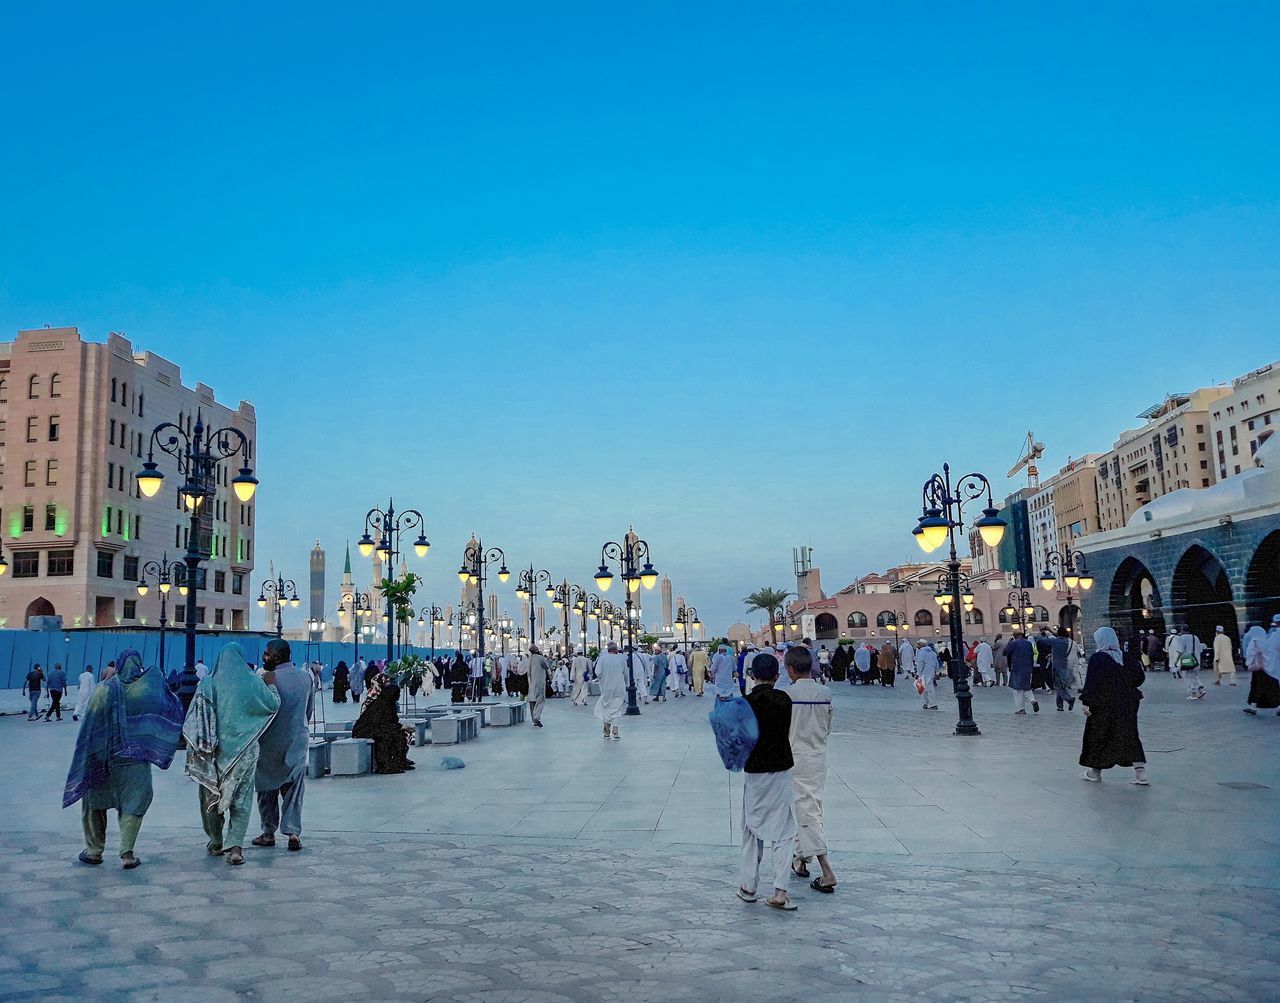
[263,841]
[825,889]
[214,851]
[84,858]
[295,843]
[745,896]
[787,906]
[237,860]
[132,863]
[802,871]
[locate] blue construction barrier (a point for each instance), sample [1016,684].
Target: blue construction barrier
[74,649]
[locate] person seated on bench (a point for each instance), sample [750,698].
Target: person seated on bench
[380,721]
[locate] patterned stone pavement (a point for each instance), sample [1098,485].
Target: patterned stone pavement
[556,867]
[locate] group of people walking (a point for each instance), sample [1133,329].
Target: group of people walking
[245,734]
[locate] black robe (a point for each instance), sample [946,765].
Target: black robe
[341,683]
[840,663]
[380,721]
[1264,692]
[1112,693]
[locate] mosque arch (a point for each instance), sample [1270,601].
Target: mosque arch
[1069,618]
[1201,594]
[1135,602]
[1262,580]
[857,620]
[825,626]
[39,607]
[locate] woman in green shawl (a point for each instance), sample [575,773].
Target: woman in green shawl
[230,711]
[131,723]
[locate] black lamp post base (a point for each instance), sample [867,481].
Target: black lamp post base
[967,728]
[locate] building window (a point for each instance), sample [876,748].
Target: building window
[31,429]
[62,563]
[26,564]
[106,564]
[50,518]
[137,527]
[219,581]
[33,388]
[199,614]
[130,569]
[119,522]
[180,612]
[857,620]
[28,518]
[219,617]
[124,394]
[55,385]
[4,390]
[111,432]
[29,472]
[131,609]
[1204,482]
[51,473]
[113,390]
[111,475]
[141,397]
[237,584]
[54,428]
[924,618]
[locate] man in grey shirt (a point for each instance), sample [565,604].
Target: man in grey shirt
[56,684]
[282,756]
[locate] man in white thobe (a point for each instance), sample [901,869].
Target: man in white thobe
[1186,648]
[1170,658]
[581,670]
[927,671]
[907,657]
[811,716]
[611,670]
[1224,659]
[84,690]
[985,660]
[678,673]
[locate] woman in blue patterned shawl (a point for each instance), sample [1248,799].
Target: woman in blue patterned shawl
[132,722]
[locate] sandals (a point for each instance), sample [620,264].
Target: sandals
[86,858]
[817,886]
[295,843]
[784,906]
[214,851]
[131,862]
[743,894]
[235,856]
[803,870]
[263,840]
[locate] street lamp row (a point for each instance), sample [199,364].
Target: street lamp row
[628,555]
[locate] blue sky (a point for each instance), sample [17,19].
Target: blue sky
[742,274]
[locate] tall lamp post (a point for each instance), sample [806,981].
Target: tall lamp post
[199,454]
[527,589]
[897,622]
[436,615]
[942,516]
[390,526]
[475,569]
[568,595]
[165,573]
[1074,574]
[687,618]
[1020,610]
[465,618]
[361,604]
[628,554]
[284,591]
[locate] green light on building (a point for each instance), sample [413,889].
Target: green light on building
[60,524]
[106,523]
[15,524]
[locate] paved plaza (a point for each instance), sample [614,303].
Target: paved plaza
[560,867]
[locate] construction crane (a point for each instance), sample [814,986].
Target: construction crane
[1031,451]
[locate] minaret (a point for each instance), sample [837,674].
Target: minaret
[491,600]
[542,621]
[667,615]
[346,605]
[317,582]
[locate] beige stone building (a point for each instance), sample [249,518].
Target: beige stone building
[1243,419]
[75,424]
[1170,451]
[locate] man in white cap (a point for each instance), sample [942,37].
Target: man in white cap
[1224,658]
[1185,654]
[611,670]
[581,673]
[1171,656]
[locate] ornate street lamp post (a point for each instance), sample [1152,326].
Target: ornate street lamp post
[391,526]
[628,554]
[1020,611]
[897,622]
[527,588]
[361,604]
[165,573]
[943,515]
[566,596]
[284,591]
[1074,574]
[199,453]
[475,569]
[687,618]
[436,615]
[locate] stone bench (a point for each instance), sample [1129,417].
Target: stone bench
[451,729]
[317,758]
[350,757]
[505,715]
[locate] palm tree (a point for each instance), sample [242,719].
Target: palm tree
[769,601]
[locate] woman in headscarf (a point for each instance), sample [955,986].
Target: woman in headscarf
[131,721]
[341,682]
[1112,691]
[231,710]
[1264,689]
[380,721]
[459,673]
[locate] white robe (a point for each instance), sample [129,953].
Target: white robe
[612,672]
[811,717]
[907,658]
[84,690]
[985,660]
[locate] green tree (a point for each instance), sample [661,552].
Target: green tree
[769,601]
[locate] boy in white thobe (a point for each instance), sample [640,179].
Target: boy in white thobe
[811,716]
